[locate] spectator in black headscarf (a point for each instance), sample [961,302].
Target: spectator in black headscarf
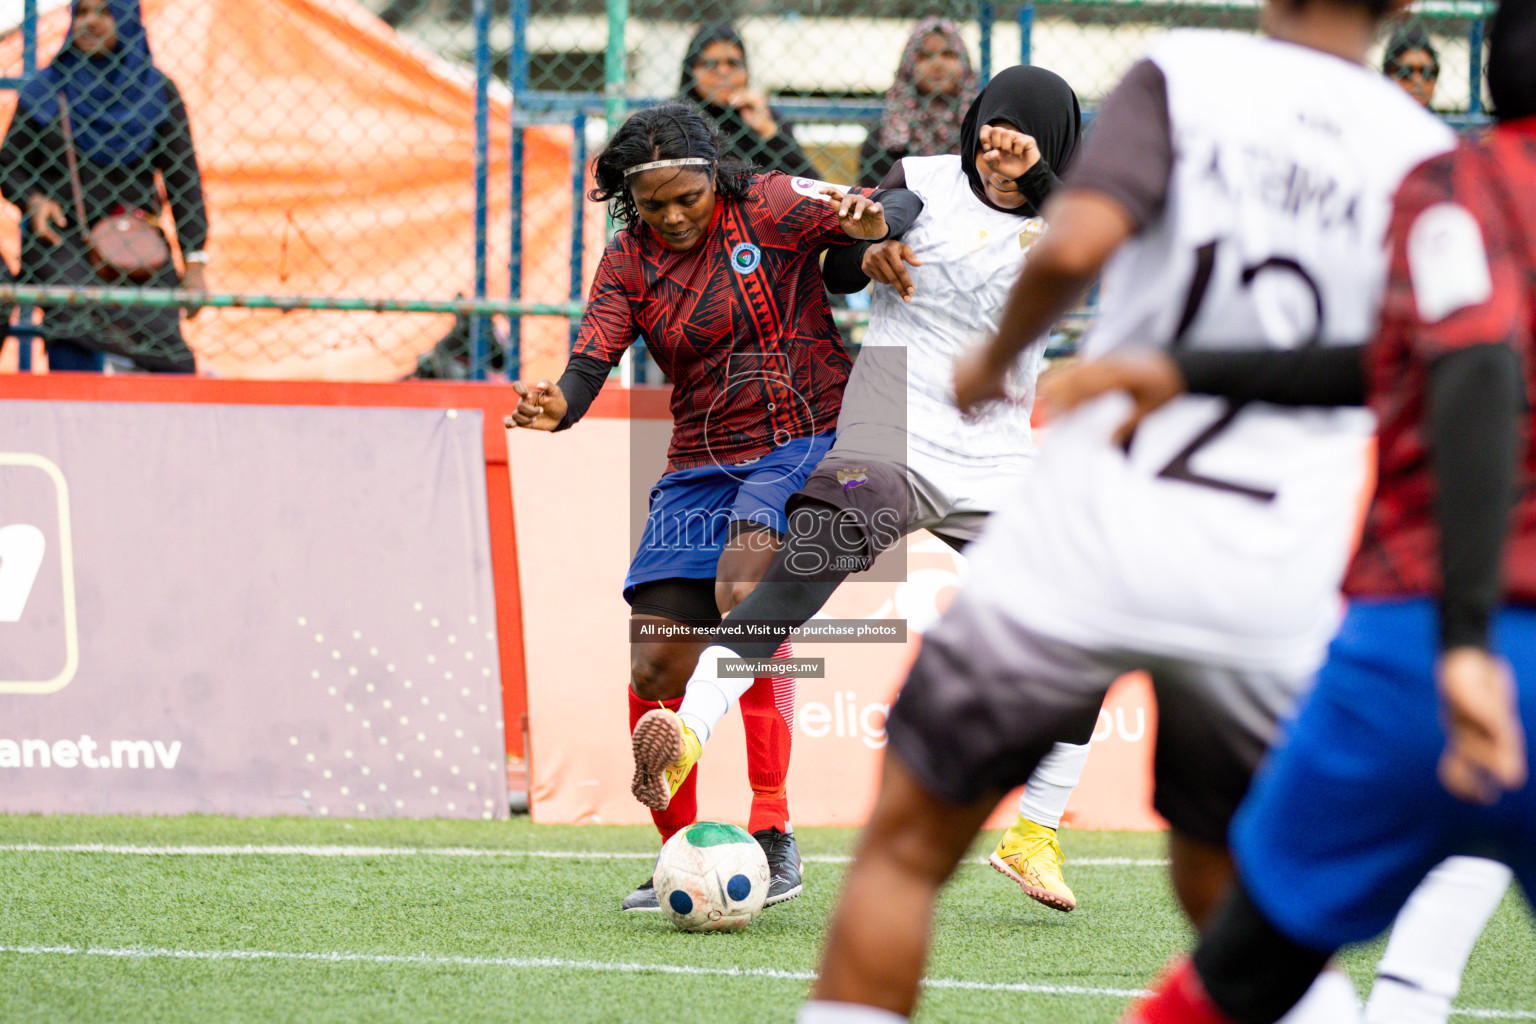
[128,122]
[1412,63]
[715,77]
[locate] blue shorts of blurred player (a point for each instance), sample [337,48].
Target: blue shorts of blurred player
[1348,814]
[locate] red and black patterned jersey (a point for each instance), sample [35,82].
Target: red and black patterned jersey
[1463,240]
[740,322]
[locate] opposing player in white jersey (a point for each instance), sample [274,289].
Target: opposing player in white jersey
[905,459]
[1238,189]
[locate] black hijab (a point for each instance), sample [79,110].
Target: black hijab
[1034,101]
[739,139]
[720,33]
[1512,60]
[1405,40]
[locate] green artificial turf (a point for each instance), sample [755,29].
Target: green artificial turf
[512,937]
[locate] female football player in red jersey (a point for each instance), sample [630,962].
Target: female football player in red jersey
[717,268]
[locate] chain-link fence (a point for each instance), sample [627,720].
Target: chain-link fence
[358,156]
[839,89]
[277,153]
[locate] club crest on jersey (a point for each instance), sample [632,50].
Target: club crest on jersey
[1033,229]
[851,478]
[745,258]
[978,241]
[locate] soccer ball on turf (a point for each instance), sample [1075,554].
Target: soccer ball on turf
[711,877]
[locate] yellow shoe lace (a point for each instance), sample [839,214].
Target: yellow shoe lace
[678,770]
[1033,852]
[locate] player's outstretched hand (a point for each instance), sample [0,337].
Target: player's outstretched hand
[858,216]
[542,407]
[1006,151]
[1152,379]
[980,377]
[887,262]
[1485,745]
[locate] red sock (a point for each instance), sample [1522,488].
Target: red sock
[685,802]
[1178,997]
[768,714]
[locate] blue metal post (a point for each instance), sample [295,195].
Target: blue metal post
[29,36]
[478,324]
[986,15]
[578,206]
[28,65]
[519,73]
[1026,30]
[615,67]
[1475,75]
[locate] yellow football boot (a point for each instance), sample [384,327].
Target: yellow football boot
[1029,854]
[665,752]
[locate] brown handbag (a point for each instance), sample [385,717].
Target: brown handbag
[124,246]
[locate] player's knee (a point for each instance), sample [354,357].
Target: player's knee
[1201,873]
[654,674]
[730,594]
[915,833]
[905,849]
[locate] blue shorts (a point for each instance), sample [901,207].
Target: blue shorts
[692,510]
[1348,814]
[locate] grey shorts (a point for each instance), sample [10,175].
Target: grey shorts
[892,498]
[987,698]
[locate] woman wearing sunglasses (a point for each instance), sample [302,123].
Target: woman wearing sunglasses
[715,78]
[1412,63]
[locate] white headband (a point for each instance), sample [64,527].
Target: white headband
[687,161]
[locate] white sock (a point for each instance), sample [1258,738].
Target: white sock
[1050,787]
[1330,1000]
[819,1011]
[708,696]
[1420,972]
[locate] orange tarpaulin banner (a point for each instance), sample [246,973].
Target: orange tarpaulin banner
[338,160]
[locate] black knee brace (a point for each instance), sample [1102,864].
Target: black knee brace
[823,546]
[1253,973]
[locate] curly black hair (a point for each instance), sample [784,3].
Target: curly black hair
[1375,8]
[668,131]
[1405,39]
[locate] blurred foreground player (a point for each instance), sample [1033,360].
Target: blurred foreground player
[717,267]
[1230,214]
[1377,780]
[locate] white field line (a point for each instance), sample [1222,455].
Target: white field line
[610,967]
[447,851]
[536,963]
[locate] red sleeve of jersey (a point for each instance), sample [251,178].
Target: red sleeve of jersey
[608,324]
[1455,279]
[805,219]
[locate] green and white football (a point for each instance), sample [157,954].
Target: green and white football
[711,877]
